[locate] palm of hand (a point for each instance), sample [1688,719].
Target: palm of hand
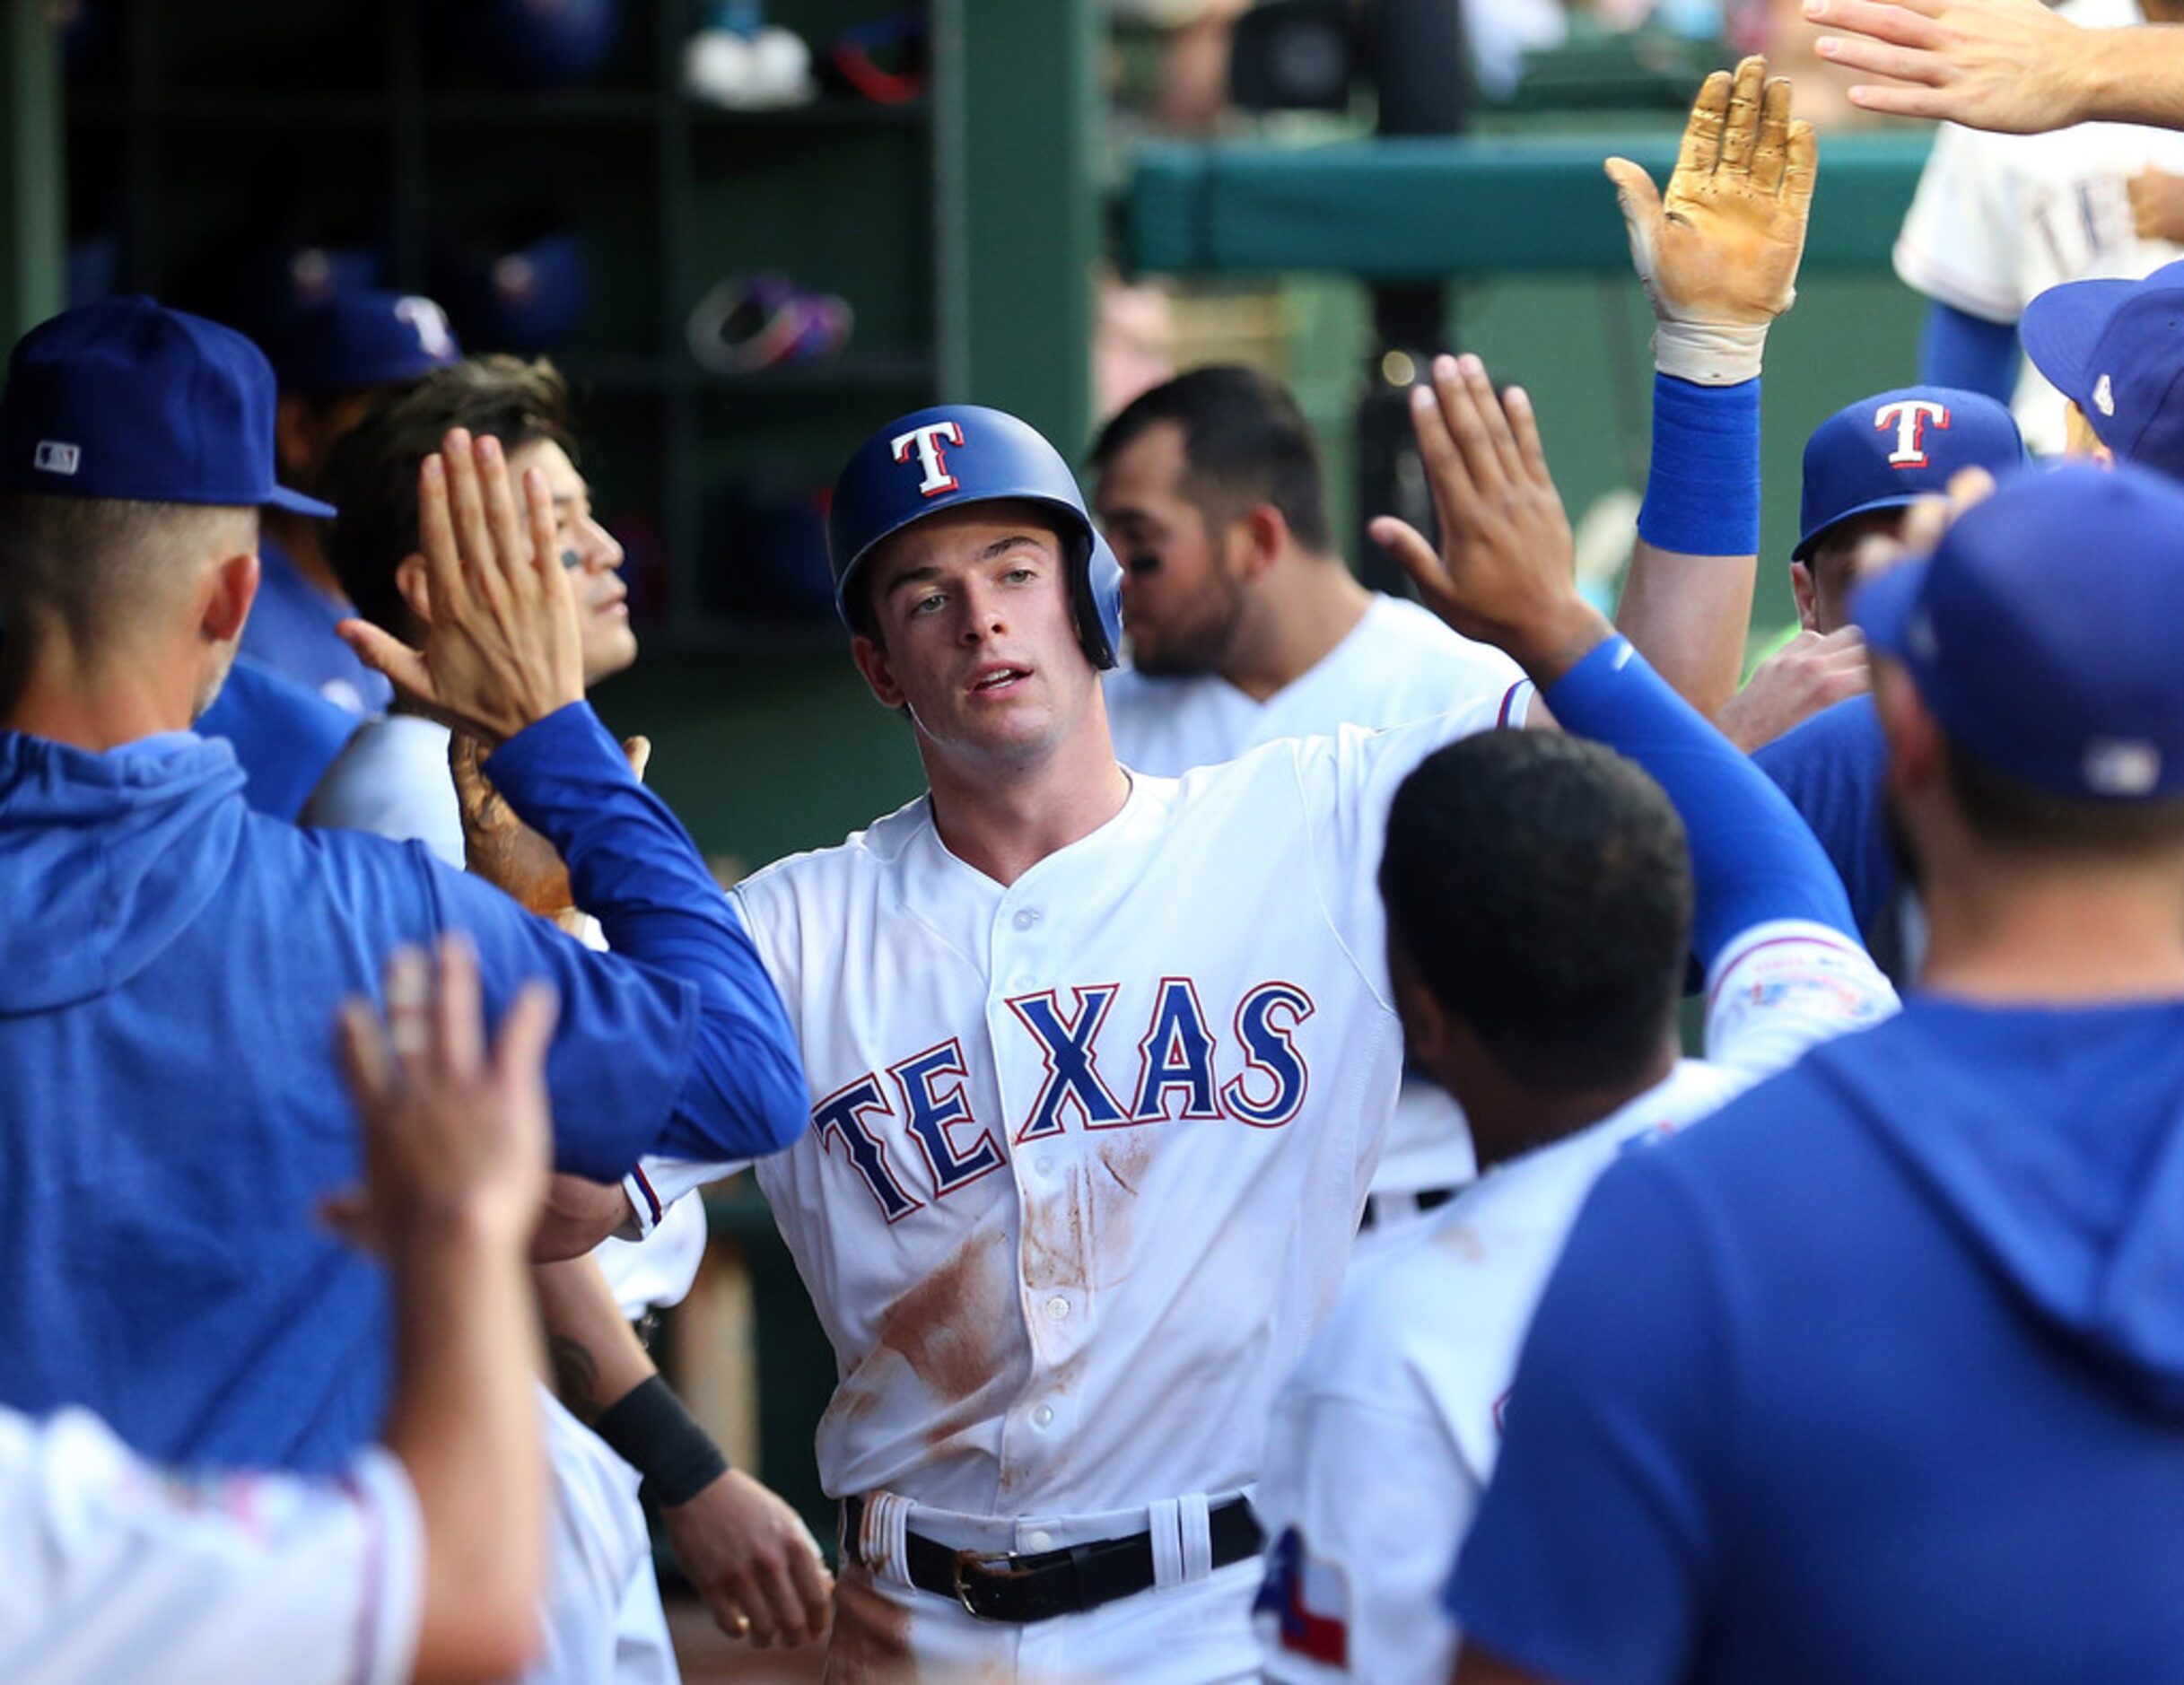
[1726,250]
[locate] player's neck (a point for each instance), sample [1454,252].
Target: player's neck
[1317,608]
[1004,821]
[2012,931]
[298,537]
[92,700]
[1509,1119]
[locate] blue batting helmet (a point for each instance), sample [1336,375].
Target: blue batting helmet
[955,454]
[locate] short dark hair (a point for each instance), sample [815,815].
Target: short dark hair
[89,562]
[1540,888]
[371,474]
[1246,443]
[2006,812]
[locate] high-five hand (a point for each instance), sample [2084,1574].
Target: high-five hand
[503,648]
[2011,66]
[1719,255]
[1505,573]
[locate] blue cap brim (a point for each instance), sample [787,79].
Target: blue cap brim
[282,498]
[1901,500]
[2060,328]
[1881,607]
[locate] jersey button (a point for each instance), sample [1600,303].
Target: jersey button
[1057,1308]
[1043,1417]
[1038,1539]
[1028,917]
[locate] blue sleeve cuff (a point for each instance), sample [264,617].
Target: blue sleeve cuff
[1702,492]
[1754,860]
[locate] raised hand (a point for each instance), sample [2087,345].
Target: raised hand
[1811,672]
[1718,256]
[1505,573]
[2010,66]
[504,649]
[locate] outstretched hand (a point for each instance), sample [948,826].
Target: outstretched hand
[2010,66]
[1718,256]
[1504,573]
[503,648]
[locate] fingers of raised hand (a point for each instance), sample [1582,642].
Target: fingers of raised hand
[1739,132]
[511,543]
[437,536]
[1801,168]
[1524,427]
[1416,557]
[408,986]
[1969,488]
[1771,155]
[1702,134]
[385,654]
[1476,423]
[365,1059]
[1903,23]
[1446,475]
[458,1028]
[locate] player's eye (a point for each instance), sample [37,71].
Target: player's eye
[1018,576]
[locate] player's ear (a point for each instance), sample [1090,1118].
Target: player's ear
[1807,595]
[1917,752]
[232,588]
[871,659]
[1260,536]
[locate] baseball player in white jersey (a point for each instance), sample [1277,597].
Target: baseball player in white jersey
[424,1557]
[1999,219]
[1550,1012]
[1100,1064]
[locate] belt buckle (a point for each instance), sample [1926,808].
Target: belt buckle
[984,1562]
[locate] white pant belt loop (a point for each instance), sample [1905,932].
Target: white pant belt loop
[886,1524]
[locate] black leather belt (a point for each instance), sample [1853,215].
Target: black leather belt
[1428,1200]
[1004,1586]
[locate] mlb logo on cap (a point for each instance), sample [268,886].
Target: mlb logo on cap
[54,457]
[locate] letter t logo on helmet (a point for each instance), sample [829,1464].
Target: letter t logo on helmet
[926,442]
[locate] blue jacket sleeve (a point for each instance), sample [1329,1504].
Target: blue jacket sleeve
[635,870]
[1753,858]
[1963,351]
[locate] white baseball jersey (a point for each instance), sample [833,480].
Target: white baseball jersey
[1086,1151]
[601,1621]
[115,1571]
[1398,663]
[1385,1438]
[1999,219]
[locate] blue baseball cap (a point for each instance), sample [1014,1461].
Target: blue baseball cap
[125,398]
[1890,451]
[357,339]
[2042,632]
[2116,350]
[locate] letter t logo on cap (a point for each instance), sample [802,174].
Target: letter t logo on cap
[1909,418]
[927,442]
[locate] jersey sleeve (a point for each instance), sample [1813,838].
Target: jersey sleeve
[1959,241]
[1364,1504]
[1349,781]
[1595,1555]
[120,1573]
[1781,990]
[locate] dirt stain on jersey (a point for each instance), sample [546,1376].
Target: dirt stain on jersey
[946,1327]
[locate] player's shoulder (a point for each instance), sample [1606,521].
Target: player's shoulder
[874,851]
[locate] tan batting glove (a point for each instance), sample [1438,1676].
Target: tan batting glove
[1719,255]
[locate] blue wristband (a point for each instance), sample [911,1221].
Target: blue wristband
[1702,495]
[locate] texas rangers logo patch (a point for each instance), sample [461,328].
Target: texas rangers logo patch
[1308,1600]
[925,442]
[1909,418]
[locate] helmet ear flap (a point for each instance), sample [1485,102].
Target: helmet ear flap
[1095,593]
